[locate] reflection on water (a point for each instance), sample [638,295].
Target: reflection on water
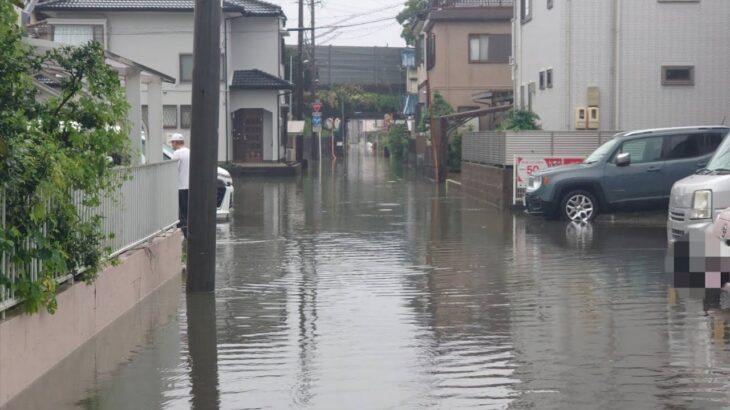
[369,288]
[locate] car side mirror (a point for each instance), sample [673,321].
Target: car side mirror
[623,159]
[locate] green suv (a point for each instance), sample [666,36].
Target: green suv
[633,171]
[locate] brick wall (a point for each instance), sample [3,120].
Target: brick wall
[487,183]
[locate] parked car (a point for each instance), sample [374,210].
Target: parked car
[697,200]
[224,190]
[633,171]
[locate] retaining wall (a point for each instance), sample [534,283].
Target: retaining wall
[31,345]
[491,184]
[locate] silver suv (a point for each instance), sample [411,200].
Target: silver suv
[696,201]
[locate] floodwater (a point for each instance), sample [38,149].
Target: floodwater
[373,289]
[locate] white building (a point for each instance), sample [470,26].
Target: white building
[159,34]
[638,63]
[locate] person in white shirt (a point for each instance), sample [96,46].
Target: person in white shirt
[182,155]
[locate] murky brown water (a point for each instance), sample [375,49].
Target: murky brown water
[374,290]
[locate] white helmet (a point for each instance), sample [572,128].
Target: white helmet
[177,138]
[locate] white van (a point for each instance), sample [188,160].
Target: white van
[696,201]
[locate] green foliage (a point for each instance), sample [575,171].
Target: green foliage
[51,150]
[396,139]
[439,108]
[455,152]
[520,120]
[408,16]
[357,99]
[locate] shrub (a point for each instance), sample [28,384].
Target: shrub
[49,150]
[396,139]
[520,120]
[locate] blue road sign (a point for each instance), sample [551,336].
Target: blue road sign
[316,120]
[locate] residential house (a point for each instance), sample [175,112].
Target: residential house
[159,34]
[622,64]
[464,49]
[408,64]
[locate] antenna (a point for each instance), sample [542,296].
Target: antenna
[723,120]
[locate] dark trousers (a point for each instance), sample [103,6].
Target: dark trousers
[183,207]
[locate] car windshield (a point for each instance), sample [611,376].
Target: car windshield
[721,160]
[601,152]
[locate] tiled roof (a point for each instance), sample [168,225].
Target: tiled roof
[248,7]
[258,80]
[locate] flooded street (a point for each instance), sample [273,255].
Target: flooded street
[371,288]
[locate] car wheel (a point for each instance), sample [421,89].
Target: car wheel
[579,206]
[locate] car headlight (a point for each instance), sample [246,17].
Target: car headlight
[536,182]
[701,205]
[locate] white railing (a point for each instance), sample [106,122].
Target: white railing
[144,206]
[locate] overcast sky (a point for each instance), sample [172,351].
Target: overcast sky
[368,22]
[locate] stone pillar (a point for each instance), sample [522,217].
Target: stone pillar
[156,137]
[133,85]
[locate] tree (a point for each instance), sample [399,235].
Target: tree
[520,120]
[439,108]
[48,152]
[409,14]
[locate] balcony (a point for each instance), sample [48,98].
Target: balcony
[445,4]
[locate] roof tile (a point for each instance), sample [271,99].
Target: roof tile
[250,7]
[258,80]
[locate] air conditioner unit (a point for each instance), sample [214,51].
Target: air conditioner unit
[581,118]
[594,118]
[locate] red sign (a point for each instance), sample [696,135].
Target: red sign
[525,167]
[316,106]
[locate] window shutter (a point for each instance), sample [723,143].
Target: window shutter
[500,48]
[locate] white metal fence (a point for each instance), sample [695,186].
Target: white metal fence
[500,148]
[142,208]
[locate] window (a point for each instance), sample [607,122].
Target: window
[186,67]
[522,96]
[526,10]
[549,78]
[186,116]
[643,150]
[169,116]
[78,34]
[530,93]
[549,4]
[542,80]
[683,146]
[431,51]
[678,75]
[146,115]
[490,48]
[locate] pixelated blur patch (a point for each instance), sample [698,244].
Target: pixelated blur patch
[696,266]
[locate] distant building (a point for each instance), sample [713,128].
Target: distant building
[622,64]
[159,35]
[463,52]
[373,68]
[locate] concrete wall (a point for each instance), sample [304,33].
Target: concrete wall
[578,40]
[254,43]
[30,345]
[453,75]
[487,183]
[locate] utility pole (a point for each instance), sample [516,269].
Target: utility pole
[299,107]
[315,76]
[204,147]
